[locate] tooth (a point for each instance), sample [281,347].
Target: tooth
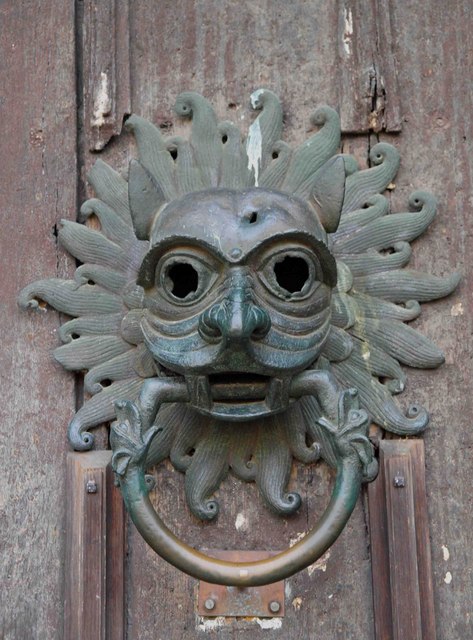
[199,391]
[278,393]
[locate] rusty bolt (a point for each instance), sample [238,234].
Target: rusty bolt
[274,606]
[399,481]
[91,486]
[209,604]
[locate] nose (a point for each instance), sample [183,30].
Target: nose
[233,320]
[236,317]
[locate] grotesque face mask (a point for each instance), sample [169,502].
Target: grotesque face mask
[242,306]
[238,296]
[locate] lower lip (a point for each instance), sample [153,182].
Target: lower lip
[238,397]
[238,388]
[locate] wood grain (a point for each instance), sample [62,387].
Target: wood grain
[37,189]
[95,550]
[434,52]
[400,544]
[116,550]
[403,568]
[367,74]
[104,69]
[226,50]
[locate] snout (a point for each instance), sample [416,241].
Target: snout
[236,318]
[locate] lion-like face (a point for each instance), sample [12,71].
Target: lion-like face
[238,291]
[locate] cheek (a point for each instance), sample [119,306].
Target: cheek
[159,307]
[310,310]
[299,330]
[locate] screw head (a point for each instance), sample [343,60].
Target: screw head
[274,606]
[91,486]
[399,481]
[209,604]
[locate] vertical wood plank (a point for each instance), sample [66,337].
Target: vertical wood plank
[403,570]
[424,556]
[105,69]
[37,188]
[400,546]
[434,51]
[378,526]
[115,613]
[368,85]
[94,601]
[388,111]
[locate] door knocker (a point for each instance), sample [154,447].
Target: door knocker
[243,304]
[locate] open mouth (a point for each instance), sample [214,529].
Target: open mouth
[238,396]
[238,387]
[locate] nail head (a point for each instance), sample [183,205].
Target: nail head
[209,604]
[91,486]
[399,481]
[274,606]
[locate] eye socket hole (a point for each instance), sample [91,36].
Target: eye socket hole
[182,279]
[291,273]
[253,217]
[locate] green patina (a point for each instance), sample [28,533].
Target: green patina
[236,289]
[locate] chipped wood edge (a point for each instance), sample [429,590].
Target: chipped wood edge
[105,70]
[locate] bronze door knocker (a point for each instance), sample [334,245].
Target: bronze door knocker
[244,304]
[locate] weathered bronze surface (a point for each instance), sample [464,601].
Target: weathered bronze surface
[346,436]
[243,304]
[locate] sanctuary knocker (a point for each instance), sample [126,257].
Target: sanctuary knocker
[244,304]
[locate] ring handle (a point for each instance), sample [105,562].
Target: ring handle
[355,464]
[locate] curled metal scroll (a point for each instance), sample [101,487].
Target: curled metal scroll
[236,288]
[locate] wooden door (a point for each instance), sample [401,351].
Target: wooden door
[397,72]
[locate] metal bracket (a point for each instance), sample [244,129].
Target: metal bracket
[261,602]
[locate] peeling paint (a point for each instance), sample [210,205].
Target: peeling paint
[297,603]
[448,578]
[365,352]
[297,538]
[102,102]
[457,310]
[320,564]
[254,98]
[210,624]
[348,31]
[254,149]
[446,553]
[269,623]
[241,522]
[287,590]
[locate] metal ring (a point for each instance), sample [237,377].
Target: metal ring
[244,574]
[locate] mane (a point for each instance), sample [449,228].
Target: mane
[376,295]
